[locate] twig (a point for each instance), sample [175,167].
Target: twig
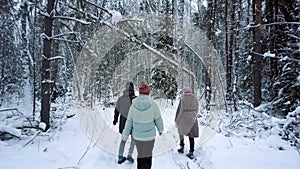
[253,108]
[75,167]
[176,162]
[32,138]
[97,6]
[86,151]
[10,109]
[73,19]
[187,165]
[19,112]
[89,147]
[72,7]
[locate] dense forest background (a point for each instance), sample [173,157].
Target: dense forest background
[257,40]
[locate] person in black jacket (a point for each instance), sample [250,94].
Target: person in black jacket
[121,110]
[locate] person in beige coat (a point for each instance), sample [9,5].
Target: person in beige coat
[186,120]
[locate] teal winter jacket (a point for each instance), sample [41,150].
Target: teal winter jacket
[143,116]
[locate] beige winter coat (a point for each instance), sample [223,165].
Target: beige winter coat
[186,116]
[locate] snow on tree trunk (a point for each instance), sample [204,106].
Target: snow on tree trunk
[46,82]
[257,16]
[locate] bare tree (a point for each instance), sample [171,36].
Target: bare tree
[257,50]
[46,81]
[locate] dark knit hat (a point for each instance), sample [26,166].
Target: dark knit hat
[144,87]
[129,86]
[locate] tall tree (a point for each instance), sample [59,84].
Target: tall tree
[46,79]
[236,51]
[11,70]
[257,51]
[230,54]
[283,41]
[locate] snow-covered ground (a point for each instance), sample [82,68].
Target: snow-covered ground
[71,147]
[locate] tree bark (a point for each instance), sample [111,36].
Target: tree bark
[257,53]
[46,81]
[229,48]
[238,8]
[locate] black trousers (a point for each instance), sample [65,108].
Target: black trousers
[192,142]
[144,150]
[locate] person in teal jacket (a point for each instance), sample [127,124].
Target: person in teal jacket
[143,119]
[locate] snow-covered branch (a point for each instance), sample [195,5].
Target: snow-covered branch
[73,19]
[66,40]
[56,37]
[11,131]
[273,56]
[65,18]
[137,20]
[281,23]
[270,24]
[56,58]
[44,14]
[152,50]
[72,7]
[97,6]
[64,34]
[48,81]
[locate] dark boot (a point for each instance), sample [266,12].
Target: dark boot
[130,159]
[121,160]
[181,149]
[190,155]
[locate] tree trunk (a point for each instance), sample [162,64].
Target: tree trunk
[229,59]
[238,8]
[46,81]
[257,52]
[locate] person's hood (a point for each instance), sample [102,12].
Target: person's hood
[126,92]
[142,102]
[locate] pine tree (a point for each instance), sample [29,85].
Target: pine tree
[283,41]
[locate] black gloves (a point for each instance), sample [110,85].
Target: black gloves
[114,122]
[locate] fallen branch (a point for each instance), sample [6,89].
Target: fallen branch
[33,137]
[15,109]
[74,167]
[11,131]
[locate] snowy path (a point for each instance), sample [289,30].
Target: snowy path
[65,148]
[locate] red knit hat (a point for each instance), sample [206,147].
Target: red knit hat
[144,87]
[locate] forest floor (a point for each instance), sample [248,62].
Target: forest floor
[84,143]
